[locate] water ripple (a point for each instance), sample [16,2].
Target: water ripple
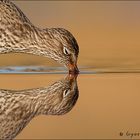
[62,70]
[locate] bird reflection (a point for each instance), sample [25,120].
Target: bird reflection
[18,107]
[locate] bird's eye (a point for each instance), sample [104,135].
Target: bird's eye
[66,92]
[66,51]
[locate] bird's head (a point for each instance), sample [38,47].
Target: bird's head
[62,96]
[64,47]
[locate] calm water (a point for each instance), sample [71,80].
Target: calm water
[104,106]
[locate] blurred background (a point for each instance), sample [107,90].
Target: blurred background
[108,36]
[107,31]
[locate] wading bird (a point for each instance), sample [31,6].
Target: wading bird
[19,35]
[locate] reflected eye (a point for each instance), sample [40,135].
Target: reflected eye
[66,92]
[66,51]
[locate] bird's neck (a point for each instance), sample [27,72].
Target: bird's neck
[30,40]
[19,107]
[39,100]
[42,101]
[38,43]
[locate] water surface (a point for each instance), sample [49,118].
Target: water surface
[108,104]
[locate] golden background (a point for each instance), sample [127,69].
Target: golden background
[108,35]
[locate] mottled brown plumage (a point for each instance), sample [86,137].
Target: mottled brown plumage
[18,107]
[19,35]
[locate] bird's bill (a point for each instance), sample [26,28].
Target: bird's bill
[71,76]
[73,69]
